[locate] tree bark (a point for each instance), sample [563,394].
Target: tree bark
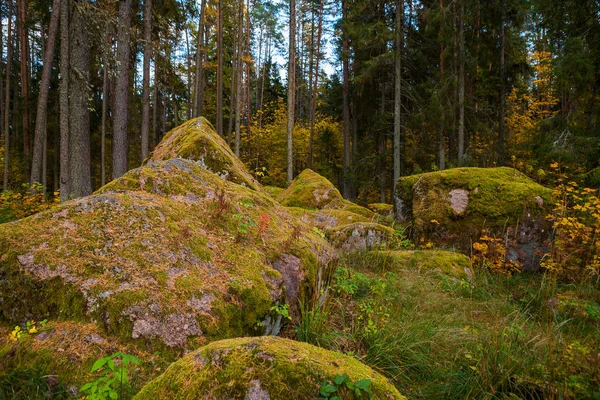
[291,91]
[461,82]
[42,106]
[65,12]
[219,124]
[9,52]
[24,55]
[238,88]
[121,112]
[398,167]
[501,138]
[79,107]
[315,88]
[347,189]
[146,78]
[199,90]
[441,134]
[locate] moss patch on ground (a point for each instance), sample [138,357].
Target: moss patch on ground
[447,262]
[261,368]
[67,350]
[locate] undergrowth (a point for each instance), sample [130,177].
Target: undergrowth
[493,336]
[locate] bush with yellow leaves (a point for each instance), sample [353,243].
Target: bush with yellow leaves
[576,224]
[489,252]
[20,204]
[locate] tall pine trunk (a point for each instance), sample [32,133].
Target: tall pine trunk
[79,107]
[65,17]
[199,89]
[121,112]
[461,82]
[146,77]
[501,133]
[9,52]
[42,106]
[398,157]
[291,92]
[24,56]
[347,189]
[219,124]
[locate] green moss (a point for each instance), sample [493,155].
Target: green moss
[198,246]
[310,190]
[497,198]
[197,140]
[273,191]
[447,262]
[282,368]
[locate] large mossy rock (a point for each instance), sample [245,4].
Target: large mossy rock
[196,140]
[260,369]
[453,208]
[170,255]
[314,192]
[449,263]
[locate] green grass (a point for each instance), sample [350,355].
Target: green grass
[32,384]
[436,336]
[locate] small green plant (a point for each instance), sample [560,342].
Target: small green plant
[331,390]
[244,223]
[318,232]
[115,380]
[31,327]
[283,310]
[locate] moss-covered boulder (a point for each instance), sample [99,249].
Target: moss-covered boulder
[453,208]
[328,218]
[196,140]
[312,191]
[169,256]
[262,368]
[362,236]
[383,209]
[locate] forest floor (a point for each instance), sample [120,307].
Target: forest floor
[437,336]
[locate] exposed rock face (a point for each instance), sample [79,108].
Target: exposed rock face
[260,369]
[169,255]
[362,236]
[453,207]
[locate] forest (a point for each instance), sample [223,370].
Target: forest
[299,199]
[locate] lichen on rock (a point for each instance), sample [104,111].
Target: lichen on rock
[261,368]
[362,236]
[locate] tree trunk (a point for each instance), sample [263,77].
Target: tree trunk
[199,90]
[146,78]
[238,89]
[441,134]
[79,107]
[24,55]
[42,106]
[248,72]
[291,91]
[219,110]
[501,138]
[65,67]
[188,111]
[7,101]
[347,189]
[398,167]
[105,95]
[315,88]
[461,82]
[121,112]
